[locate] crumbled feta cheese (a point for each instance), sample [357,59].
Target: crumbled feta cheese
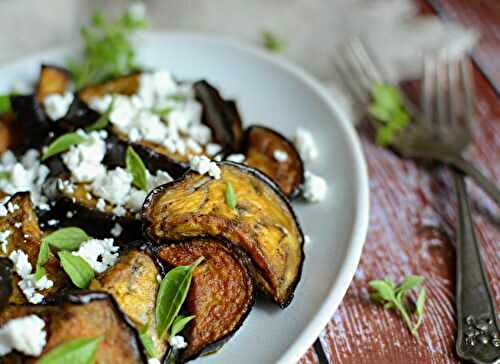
[119,211]
[153,361]
[154,86]
[113,186]
[177,342]
[135,199]
[4,240]
[203,165]
[161,178]
[314,187]
[280,155]
[237,158]
[101,204]
[24,334]
[116,230]
[3,211]
[27,284]
[100,254]
[158,278]
[306,146]
[17,225]
[212,149]
[70,214]
[200,133]
[192,145]
[57,105]
[84,160]
[27,174]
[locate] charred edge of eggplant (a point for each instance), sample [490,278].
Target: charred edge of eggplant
[79,115]
[146,222]
[91,220]
[85,297]
[6,274]
[245,145]
[87,88]
[245,260]
[237,127]
[148,248]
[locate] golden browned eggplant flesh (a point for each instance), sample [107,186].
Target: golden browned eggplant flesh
[221,293]
[262,223]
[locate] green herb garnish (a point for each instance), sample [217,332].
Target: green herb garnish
[389,110]
[80,351]
[78,270]
[395,297]
[230,195]
[103,120]
[172,293]
[162,113]
[108,50]
[69,238]
[179,324]
[4,175]
[43,256]
[5,105]
[147,341]
[272,42]
[63,143]
[137,169]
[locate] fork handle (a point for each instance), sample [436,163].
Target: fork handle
[478,336]
[468,168]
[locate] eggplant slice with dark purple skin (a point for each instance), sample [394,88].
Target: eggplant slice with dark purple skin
[260,144]
[52,80]
[133,282]
[221,293]
[124,85]
[79,208]
[79,316]
[220,115]
[6,277]
[262,224]
[25,235]
[11,136]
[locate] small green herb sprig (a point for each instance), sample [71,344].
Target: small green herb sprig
[230,195]
[137,169]
[62,144]
[272,43]
[394,297]
[388,109]
[5,104]
[108,50]
[79,351]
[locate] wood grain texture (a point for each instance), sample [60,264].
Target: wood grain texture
[412,231]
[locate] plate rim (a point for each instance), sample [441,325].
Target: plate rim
[338,288]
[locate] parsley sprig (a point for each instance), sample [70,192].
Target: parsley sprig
[394,297]
[388,109]
[108,50]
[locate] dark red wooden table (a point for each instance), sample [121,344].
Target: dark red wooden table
[412,226]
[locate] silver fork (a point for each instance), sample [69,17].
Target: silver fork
[478,335]
[359,72]
[447,104]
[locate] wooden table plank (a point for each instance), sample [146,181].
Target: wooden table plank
[412,223]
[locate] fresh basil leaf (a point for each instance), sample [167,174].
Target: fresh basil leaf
[147,341]
[179,323]
[409,283]
[172,293]
[5,104]
[43,256]
[79,351]
[384,290]
[387,96]
[163,113]
[272,42]
[63,143]
[137,169]
[39,272]
[231,200]
[103,120]
[379,113]
[69,238]
[78,270]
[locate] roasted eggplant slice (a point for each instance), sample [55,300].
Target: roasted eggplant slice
[83,315]
[25,235]
[52,80]
[125,85]
[261,145]
[11,135]
[221,116]
[78,207]
[221,294]
[6,277]
[134,285]
[263,224]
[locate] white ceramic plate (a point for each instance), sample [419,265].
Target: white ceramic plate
[272,92]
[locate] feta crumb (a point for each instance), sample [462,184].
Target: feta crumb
[18,225]
[203,165]
[314,187]
[280,155]
[306,146]
[116,230]
[177,342]
[84,160]
[69,214]
[57,105]
[113,186]
[119,211]
[101,204]
[158,278]
[100,254]
[212,149]
[135,199]
[237,158]
[153,361]
[3,211]
[4,240]
[25,334]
